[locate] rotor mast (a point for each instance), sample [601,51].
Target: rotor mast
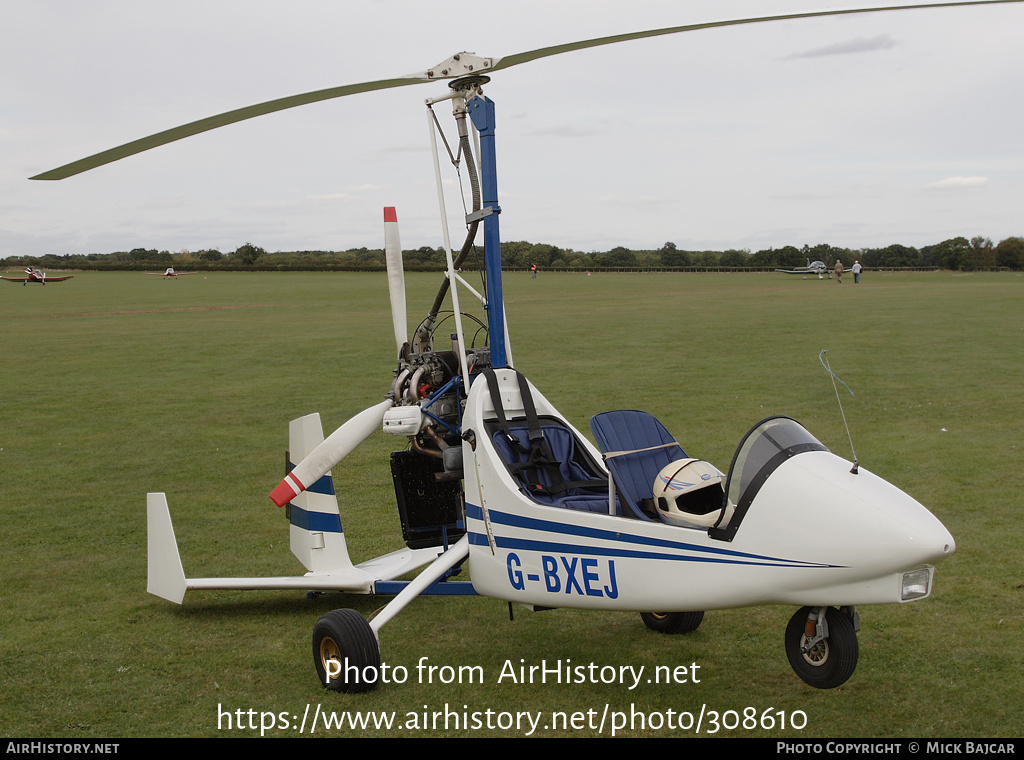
[481,112]
[469,100]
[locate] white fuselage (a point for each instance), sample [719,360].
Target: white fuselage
[815,534]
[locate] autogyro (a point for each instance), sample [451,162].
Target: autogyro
[495,480]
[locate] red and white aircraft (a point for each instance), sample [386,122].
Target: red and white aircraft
[36,275]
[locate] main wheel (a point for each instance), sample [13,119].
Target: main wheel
[346,652]
[831,661]
[672,622]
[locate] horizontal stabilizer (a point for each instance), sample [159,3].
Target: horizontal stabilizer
[167,578]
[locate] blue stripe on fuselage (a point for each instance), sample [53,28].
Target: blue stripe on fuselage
[632,546]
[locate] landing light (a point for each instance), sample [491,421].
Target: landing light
[917,584]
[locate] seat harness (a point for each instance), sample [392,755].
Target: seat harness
[537,453]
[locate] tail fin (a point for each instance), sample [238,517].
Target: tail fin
[165,574]
[317,538]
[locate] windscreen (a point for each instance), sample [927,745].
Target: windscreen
[762,444]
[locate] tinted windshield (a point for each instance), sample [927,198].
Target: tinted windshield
[762,444]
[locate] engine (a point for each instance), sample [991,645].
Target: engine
[429,399]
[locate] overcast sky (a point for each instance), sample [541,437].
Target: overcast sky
[867,130]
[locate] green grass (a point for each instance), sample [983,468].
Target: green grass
[118,384]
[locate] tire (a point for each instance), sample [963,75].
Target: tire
[346,652]
[672,622]
[831,662]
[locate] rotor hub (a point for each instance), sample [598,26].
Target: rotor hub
[460,64]
[466,84]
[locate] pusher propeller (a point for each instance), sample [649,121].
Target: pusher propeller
[461,64]
[396,276]
[345,439]
[335,447]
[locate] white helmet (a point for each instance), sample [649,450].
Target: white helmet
[689,492]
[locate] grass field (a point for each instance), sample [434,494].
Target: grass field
[118,384]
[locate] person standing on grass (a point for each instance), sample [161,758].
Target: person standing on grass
[838,270]
[856,269]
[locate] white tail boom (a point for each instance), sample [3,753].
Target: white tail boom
[317,540]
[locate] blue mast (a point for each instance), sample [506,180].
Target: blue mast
[481,111]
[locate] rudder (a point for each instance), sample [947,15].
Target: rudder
[317,538]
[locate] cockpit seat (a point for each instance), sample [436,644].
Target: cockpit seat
[542,453]
[551,471]
[636,447]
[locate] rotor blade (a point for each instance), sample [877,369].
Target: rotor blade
[336,447]
[533,55]
[396,276]
[458,65]
[222,120]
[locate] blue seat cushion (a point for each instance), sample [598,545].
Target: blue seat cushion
[651,448]
[539,481]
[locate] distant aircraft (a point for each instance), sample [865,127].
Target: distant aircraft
[813,267]
[171,273]
[36,275]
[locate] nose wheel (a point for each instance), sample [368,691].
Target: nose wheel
[821,644]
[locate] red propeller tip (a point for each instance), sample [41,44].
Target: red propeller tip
[390,215]
[286,490]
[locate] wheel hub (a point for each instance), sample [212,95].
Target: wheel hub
[817,654]
[329,651]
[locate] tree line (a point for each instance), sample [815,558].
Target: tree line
[977,253]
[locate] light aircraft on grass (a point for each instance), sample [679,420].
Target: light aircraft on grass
[813,267]
[494,479]
[36,275]
[169,272]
